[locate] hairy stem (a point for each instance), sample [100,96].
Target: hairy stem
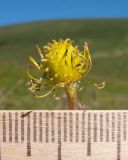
[71,96]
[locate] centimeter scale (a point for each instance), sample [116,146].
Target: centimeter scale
[63,135]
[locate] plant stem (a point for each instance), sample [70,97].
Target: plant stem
[71,96]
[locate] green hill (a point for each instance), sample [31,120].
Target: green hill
[108,44]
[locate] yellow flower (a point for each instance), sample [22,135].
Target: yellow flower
[64,62]
[61,64]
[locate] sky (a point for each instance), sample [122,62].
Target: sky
[22,11]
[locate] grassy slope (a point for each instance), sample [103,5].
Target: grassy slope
[108,43]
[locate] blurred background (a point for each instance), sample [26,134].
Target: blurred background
[102,24]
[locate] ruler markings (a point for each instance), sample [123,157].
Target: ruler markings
[113,127]
[22,127]
[52,127]
[70,126]
[4,127]
[119,137]
[65,127]
[77,127]
[10,127]
[47,127]
[83,127]
[59,137]
[16,127]
[28,136]
[34,127]
[40,127]
[124,126]
[89,136]
[101,127]
[95,127]
[113,124]
[107,127]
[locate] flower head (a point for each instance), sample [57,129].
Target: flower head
[61,63]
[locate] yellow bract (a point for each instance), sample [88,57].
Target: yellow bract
[62,63]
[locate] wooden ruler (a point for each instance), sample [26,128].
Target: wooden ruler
[64,135]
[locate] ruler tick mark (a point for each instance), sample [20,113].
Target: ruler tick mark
[22,128]
[113,127]
[70,126]
[28,137]
[34,127]
[16,127]
[65,127]
[4,127]
[124,126]
[52,127]
[77,127]
[59,136]
[47,127]
[119,137]
[83,127]
[40,127]
[10,127]
[95,127]
[107,127]
[89,136]
[101,127]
